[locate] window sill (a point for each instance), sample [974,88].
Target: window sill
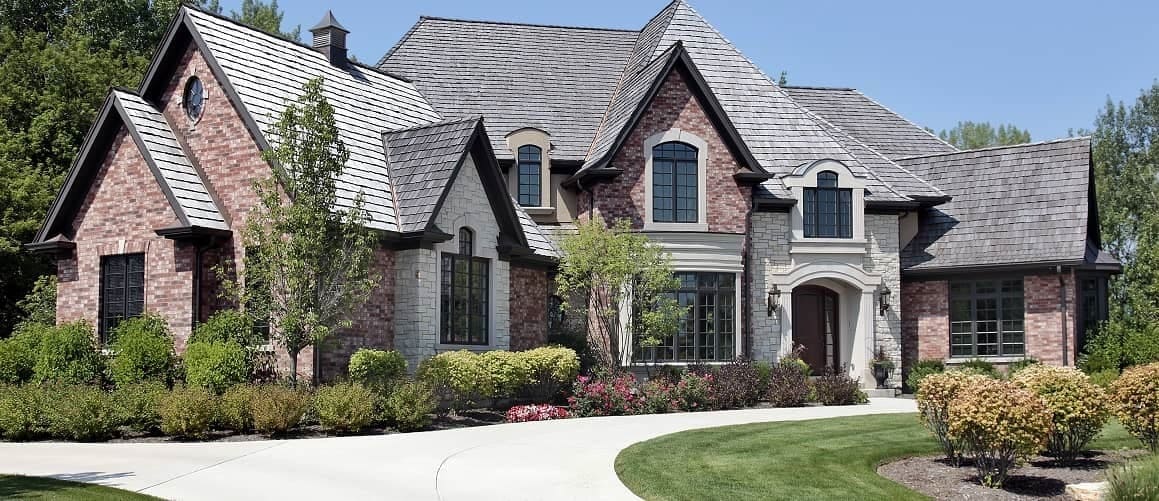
[539,211]
[991,359]
[675,226]
[439,348]
[827,246]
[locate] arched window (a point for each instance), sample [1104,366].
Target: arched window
[828,209]
[465,295]
[674,184]
[530,183]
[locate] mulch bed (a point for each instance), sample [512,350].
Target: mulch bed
[1040,479]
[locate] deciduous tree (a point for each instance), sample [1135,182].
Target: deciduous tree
[972,135]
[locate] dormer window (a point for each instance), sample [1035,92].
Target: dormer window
[674,183]
[828,208]
[530,178]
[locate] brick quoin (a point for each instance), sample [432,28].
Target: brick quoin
[529,293]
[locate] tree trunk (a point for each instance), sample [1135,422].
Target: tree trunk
[294,367]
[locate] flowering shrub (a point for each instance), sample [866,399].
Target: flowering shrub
[1136,401]
[737,384]
[618,396]
[838,388]
[789,384]
[694,392]
[535,412]
[1078,408]
[934,395]
[659,396]
[998,423]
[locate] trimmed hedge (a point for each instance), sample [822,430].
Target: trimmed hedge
[921,369]
[225,326]
[278,409]
[376,369]
[216,365]
[344,407]
[1078,408]
[68,354]
[1136,396]
[410,405]
[142,351]
[235,408]
[22,414]
[187,412]
[81,412]
[139,403]
[463,377]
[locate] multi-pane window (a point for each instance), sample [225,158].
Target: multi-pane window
[122,290]
[530,161]
[708,330]
[1094,304]
[464,294]
[674,183]
[828,209]
[987,318]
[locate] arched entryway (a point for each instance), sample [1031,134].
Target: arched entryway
[815,327]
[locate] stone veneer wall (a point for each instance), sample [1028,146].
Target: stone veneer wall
[769,256]
[529,293]
[883,256]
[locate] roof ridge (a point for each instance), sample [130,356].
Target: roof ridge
[818,87]
[473,118]
[899,115]
[1003,147]
[624,77]
[405,36]
[518,23]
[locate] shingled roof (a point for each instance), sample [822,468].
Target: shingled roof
[422,160]
[1012,205]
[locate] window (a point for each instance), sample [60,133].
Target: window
[828,210]
[122,290]
[708,330]
[464,294]
[674,183]
[1094,304]
[530,162]
[194,99]
[986,319]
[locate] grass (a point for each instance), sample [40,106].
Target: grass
[50,489]
[820,459]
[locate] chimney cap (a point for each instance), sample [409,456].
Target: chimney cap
[328,21]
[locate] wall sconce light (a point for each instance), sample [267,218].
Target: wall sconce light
[883,299]
[774,300]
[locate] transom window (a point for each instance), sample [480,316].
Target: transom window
[530,183]
[828,209]
[987,318]
[465,294]
[122,290]
[674,183]
[708,330]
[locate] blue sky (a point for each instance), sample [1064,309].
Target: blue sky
[1044,66]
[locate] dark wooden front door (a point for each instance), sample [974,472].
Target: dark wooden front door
[815,327]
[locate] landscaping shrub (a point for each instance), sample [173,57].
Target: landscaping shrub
[921,369]
[278,408]
[535,412]
[187,412]
[613,396]
[22,411]
[215,365]
[81,412]
[142,351]
[455,376]
[550,368]
[736,385]
[138,405]
[376,369]
[410,405]
[1135,481]
[1018,365]
[658,396]
[234,409]
[502,373]
[789,384]
[694,392]
[1105,377]
[225,326]
[981,367]
[838,388]
[68,354]
[344,407]
[935,393]
[1077,407]
[1136,401]
[764,374]
[18,354]
[998,423]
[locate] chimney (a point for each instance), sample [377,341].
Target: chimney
[330,39]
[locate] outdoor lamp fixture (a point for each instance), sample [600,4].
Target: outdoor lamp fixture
[774,300]
[883,299]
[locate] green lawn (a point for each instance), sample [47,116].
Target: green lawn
[48,489]
[820,459]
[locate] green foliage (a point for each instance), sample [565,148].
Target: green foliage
[344,407]
[410,405]
[502,373]
[603,268]
[838,388]
[187,412]
[973,135]
[235,408]
[376,369]
[551,368]
[979,366]
[265,17]
[1017,366]
[1137,480]
[18,354]
[1078,408]
[999,424]
[312,258]
[463,377]
[215,365]
[921,369]
[1136,401]
[227,325]
[82,412]
[138,405]
[693,392]
[1105,377]
[68,354]
[453,375]
[39,306]
[1119,344]
[142,351]
[789,384]
[278,408]
[22,414]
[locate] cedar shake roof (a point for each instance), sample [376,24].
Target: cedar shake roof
[1012,205]
[422,161]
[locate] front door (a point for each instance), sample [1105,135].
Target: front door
[815,327]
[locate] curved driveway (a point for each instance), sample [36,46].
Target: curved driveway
[565,459]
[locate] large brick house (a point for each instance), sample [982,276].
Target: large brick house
[795,216]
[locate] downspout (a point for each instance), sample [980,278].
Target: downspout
[746,283]
[1062,303]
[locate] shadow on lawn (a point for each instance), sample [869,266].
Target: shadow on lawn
[16,487]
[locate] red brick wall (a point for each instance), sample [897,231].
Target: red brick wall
[1044,318]
[925,323]
[674,107]
[373,323]
[529,292]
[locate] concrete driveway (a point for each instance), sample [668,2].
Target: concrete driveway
[566,459]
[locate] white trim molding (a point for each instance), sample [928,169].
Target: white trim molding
[805,176]
[534,137]
[701,146]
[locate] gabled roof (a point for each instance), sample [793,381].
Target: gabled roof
[1029,204]
[871,123]
[422,160]
[557,79]
[538,239]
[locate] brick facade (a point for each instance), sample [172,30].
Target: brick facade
[529,293]
[925,321]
